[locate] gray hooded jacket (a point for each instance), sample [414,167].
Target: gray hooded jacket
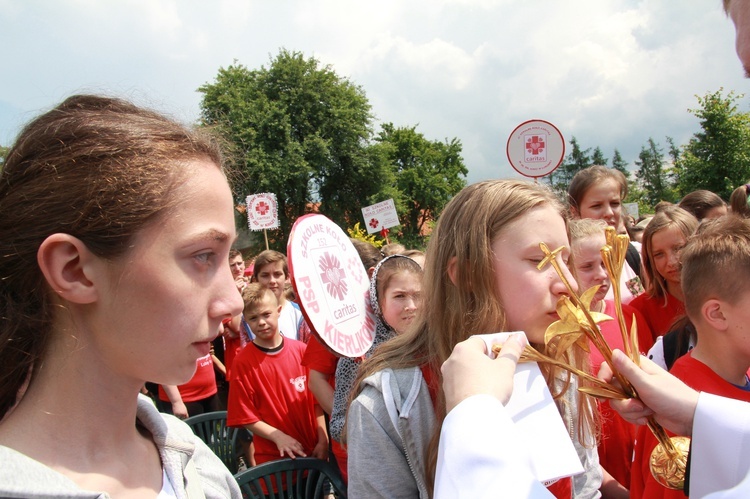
[21,476]
[389,426]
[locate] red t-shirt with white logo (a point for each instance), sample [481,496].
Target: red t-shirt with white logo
[273,388]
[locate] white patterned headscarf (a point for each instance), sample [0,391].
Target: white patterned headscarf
[374,298]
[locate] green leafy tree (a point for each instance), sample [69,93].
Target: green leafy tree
[674,157]
[597,158]
[653,175]
[635,193]
[576,160]
[428,174]
[718,157]
[302,132]
[620,164]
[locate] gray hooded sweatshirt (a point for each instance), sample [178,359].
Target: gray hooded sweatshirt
[21,476]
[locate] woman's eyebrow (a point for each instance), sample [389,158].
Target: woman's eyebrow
[213,235]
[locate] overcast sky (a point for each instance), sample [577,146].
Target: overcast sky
[611,73]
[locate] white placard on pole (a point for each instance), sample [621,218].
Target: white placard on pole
[262,211]
[633,210]
[380,216]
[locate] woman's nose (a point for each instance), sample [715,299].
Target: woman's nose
[558,286]
[229,302]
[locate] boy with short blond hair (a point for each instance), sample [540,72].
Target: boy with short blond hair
[716,285]
[269,394]
[271,270]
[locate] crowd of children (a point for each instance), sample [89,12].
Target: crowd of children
[390,404]
[281,387]
[484,271]
[116,230]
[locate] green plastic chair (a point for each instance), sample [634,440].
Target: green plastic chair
[300,478]
[211,427]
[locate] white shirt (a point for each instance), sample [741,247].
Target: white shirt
[290,320]
[480,455]
[476,463]
[720,460]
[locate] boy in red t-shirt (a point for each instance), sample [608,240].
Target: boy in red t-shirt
[269,394]
[716,285]
[272,271]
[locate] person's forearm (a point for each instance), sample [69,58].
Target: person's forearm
[473,461]
[287,445]
[179,408]
[611,488]
[264,430]
[321,422]
[322,390]
[219,365]
[173,394]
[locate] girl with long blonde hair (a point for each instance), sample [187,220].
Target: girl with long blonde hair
[481,276]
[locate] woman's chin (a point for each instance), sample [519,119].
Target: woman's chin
[177,376]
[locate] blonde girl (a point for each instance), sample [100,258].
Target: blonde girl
[662,306]
[663,240]
[480,277]
[115,230]
[587,237]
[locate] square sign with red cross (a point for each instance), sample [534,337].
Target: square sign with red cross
[380,216]
[262,211]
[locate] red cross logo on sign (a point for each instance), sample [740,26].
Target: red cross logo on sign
[535,145]
[262,208]
[374,223]
[333,276]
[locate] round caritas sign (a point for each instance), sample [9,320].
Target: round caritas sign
[332,285]
[535,148]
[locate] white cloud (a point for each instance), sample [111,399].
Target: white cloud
[610,73]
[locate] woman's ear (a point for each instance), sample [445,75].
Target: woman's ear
[68,265]
[452,270]
[574,212]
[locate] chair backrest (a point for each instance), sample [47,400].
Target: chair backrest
[300,478]
[211,427]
